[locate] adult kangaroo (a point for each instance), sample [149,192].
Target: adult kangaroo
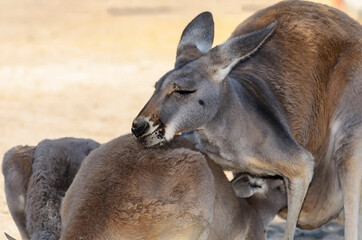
[292,109]
[124,191]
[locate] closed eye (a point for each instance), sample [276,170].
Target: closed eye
[184,92]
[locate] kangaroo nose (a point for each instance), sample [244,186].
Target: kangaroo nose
[139,128]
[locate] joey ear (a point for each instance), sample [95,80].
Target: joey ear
[196,39]
[245,185]
[225,56]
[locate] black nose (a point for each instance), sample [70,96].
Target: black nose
[139,128]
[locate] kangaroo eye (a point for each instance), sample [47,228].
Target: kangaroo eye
[184,92]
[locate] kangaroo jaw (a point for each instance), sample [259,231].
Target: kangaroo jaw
[157,137]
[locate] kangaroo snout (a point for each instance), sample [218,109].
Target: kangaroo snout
[140,127]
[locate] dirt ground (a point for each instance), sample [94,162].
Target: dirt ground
[86,68]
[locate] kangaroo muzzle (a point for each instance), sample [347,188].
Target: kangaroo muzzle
[147,132]
[140,127]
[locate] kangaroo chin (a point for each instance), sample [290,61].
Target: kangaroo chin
[156,138]
[160,136]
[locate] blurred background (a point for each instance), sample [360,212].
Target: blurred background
[86,68]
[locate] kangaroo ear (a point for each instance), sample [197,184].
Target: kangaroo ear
[196,39]
[225,56]
[18,159]
[245,185]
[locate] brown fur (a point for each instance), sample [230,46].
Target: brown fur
[124,191]
[283,97]
[310,90]
[313,64]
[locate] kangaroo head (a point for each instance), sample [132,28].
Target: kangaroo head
[267,195]
[246,185]
[188,96]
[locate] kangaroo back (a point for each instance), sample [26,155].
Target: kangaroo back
[308,64]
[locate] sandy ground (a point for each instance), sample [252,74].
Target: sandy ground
[85,70]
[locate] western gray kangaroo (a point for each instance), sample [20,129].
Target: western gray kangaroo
[36,179]
[124,191]
[292,109]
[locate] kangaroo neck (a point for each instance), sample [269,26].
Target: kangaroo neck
[248,115]
[266,209]
[260,212]
[222,137]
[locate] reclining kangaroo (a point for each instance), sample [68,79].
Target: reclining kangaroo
[36,179]
[124,191]
[292,109]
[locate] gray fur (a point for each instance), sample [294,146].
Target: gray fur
[54,165]
[291,109]
[191,46]
[17,168]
